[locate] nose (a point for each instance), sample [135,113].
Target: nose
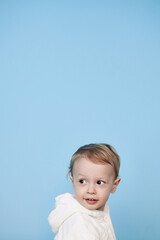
[91,189]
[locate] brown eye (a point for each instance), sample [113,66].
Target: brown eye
[82,181]
[100,182]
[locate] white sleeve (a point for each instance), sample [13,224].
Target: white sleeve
[75,228]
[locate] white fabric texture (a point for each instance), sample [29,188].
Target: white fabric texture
[71,221]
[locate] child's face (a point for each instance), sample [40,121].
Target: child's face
[93,183]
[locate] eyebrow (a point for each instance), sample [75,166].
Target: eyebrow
[81,175]
[98,178]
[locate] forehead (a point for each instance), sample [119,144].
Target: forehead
[84,166]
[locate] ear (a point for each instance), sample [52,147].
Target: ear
[71,177]
[115,185]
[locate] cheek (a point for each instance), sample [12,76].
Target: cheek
[79,190]
[76,187]
[105,190]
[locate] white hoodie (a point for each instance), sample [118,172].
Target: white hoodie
[71,221]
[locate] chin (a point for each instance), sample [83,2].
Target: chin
[91,207]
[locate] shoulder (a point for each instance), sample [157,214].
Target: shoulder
[79,226]
[82,220]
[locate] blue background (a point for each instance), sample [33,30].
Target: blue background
[72,73]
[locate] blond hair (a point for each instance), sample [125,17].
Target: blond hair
[97,153]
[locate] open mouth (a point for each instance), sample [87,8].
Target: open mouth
[91,200]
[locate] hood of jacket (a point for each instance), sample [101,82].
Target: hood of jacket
[65,206]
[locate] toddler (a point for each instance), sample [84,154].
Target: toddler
[93,172]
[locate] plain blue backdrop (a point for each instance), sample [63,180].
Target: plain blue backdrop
[72,73]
